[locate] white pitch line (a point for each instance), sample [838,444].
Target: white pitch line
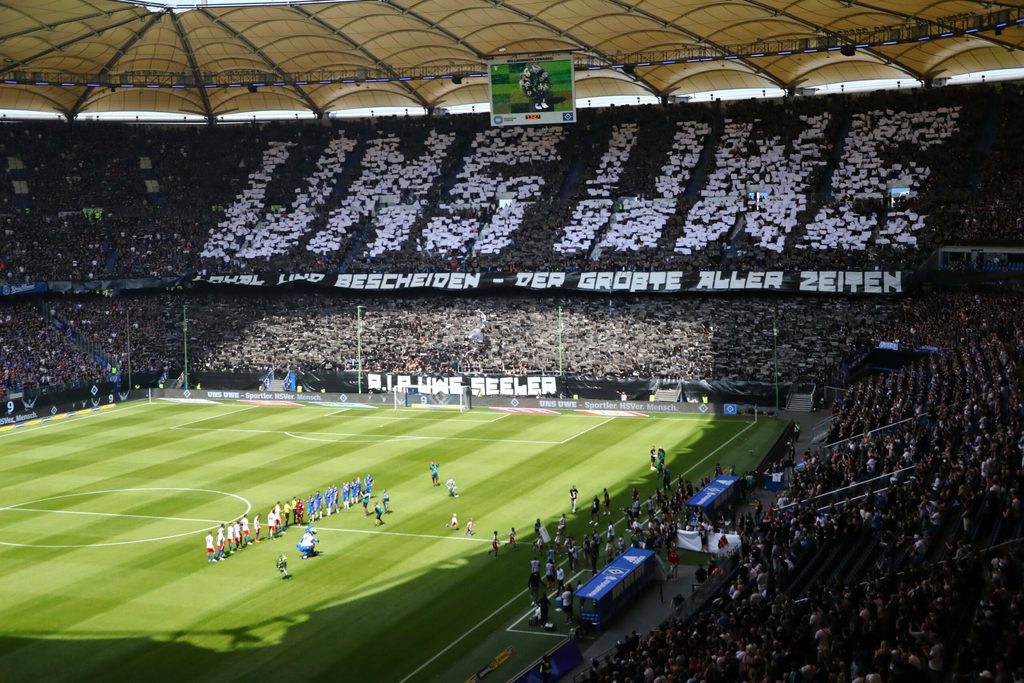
[212,417]
[480,623]
[538,633]
[407,437]
[399,533]
[112,514]
[458,640]
[518,595]
[424,419]
[602,422]
[371,439]
[517,621]
[56,423]
[706,457]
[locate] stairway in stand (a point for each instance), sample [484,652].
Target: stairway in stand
[276,385]
[800,403]
[671,394]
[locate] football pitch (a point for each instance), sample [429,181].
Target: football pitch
[103,518]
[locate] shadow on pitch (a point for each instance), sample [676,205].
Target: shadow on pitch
[378,632]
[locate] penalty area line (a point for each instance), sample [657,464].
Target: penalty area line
[483,621]
[579,434]
[538,633]
[708,456]
[523,592]
[424,665]
[512,628]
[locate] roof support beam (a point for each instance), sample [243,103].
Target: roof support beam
[80,102]
[823,30]
[68,43]
[190,55]
[63,22]
[632,9]
[240,37]
[436,27]
[335,31]
[647,85]
[911,17]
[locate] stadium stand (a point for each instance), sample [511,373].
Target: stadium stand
[892,552]
[698,338]
[886,556]
[899,582]
[33,353]
[800,183]
[430,335]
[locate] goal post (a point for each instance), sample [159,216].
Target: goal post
[414,399]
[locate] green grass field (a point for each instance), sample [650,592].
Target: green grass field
[103,515]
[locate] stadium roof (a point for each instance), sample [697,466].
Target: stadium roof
[213,57]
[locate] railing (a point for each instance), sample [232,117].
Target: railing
[83,343]
[831,393]
[854,490]
[831,447]
[819,430]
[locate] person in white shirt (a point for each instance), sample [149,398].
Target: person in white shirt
[210,550]
[220,542]
[271,524]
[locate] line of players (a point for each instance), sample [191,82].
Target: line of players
[231,537]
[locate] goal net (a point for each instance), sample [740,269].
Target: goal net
[413,398]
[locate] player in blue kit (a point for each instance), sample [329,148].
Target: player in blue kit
[319,510]
[369,485]
[344,495]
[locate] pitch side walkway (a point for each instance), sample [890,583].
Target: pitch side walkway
[655,605]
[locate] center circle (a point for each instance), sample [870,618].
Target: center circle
[248,507]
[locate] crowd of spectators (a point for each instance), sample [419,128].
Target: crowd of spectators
[993,211]
[311,196]
[691,337]
[934,589]
[688,337]
[34,353]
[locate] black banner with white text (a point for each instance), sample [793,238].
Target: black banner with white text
[880,282]
[817,282]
